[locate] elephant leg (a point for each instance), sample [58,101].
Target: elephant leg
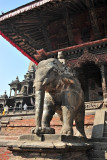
[48,112]
[69,103]
[79,121]
[68,114]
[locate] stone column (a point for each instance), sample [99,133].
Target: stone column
[102,69]
[27,89]
[10,91]
[33,89]
[16,91]
[20,106]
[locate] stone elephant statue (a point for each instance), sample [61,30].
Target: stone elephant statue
[57,90]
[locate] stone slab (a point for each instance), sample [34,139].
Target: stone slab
[48,149]
[52,138]
[31,137]
[47,146]
[49,142]
[60,143]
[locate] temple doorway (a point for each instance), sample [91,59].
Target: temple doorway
[90,78]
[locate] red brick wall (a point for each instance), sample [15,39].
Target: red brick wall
[24,126]
[5,154]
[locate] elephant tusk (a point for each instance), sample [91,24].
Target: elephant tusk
[69,81]
[45,81]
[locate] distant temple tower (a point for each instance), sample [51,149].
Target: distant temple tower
[23,91]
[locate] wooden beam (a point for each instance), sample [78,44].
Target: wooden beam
[105,27]
[21,37]
[43,25]
[78,5]
[93,18]
[69,27]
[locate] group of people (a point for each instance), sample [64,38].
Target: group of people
[6,108]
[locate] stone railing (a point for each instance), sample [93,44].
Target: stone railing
[15,110]
[93,105]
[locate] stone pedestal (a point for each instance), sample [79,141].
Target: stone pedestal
[50,147]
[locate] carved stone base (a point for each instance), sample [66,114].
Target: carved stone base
[52,138]
[53,147]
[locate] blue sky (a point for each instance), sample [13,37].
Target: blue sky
[12,62]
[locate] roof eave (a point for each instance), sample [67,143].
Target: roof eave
[22,9]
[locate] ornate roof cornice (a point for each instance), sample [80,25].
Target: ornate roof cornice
[86,57]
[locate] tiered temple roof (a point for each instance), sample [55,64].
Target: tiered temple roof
[53,25]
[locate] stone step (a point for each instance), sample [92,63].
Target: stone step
[52,138]
[96,158]
[8,137]
[4,122]
[100,145]
[105,134]
[98,154]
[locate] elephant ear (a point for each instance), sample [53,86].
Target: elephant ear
[68,80]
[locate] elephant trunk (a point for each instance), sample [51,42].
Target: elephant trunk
[39,101]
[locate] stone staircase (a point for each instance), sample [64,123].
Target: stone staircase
[99,137]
